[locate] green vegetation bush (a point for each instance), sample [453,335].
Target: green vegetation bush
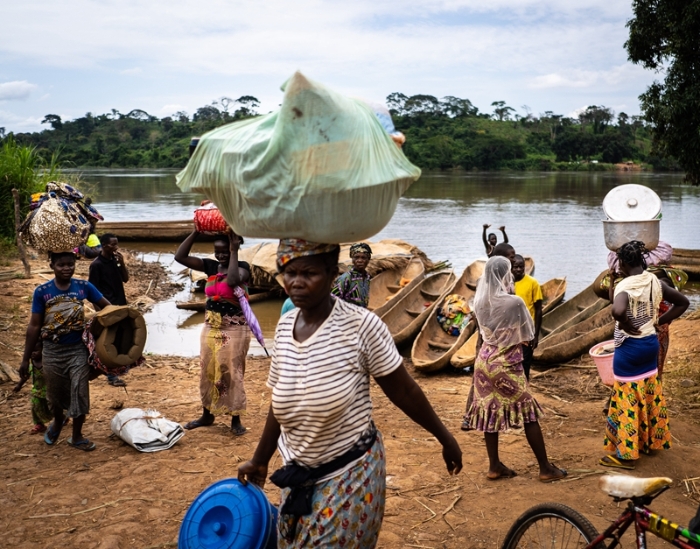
[21,168]
[442,134]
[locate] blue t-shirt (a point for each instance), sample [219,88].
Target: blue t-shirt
[287,306]
[79,289]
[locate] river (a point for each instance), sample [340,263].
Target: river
[554,217]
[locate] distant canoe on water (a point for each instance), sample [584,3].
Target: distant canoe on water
[409,313]
[150,231]
[552,292]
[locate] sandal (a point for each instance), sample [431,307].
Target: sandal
[615,462]
[117,382]
[85,445]
[506,472]
[194,424]
[38,428]
[239,430]
[555,478]
[50,437]
[465,426]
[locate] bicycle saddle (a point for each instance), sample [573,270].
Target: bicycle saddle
[625,486]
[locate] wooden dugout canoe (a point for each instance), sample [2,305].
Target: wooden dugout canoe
[151,231]
[687,260]
[433,348]
[386,288]
[577,339]
[407,316]
[552,294]
[477,269]
[580,307]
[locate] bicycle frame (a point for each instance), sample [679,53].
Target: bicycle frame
[645,521]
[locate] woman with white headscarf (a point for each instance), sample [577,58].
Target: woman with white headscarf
[499,397]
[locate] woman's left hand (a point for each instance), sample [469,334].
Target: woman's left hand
[452,454]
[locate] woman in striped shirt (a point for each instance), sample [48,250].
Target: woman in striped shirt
[637,416]
[320,417]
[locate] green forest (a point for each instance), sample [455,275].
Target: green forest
[442,134]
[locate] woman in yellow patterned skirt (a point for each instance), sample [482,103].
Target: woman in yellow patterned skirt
[225,335]
[637,417]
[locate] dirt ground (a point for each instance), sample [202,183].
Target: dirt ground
[116,497]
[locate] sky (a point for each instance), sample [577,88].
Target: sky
[69,57]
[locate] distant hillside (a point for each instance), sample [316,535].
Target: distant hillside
[447,133]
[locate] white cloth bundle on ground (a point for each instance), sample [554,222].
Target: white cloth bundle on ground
[146,430]
[321,168]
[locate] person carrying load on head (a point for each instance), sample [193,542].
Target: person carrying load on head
[225,337]
[353,286]
[58,319]
[637,419]
[325,351]
[491,241]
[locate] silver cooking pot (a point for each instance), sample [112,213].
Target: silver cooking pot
[618,233]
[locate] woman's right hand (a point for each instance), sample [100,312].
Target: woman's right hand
[24,369]
[452,454]
[253,472]
[629,328]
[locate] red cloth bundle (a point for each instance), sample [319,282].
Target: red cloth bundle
[208,220]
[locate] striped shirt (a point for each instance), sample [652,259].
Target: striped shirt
[320,388]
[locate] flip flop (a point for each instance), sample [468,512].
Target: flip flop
[38,428]
[554,479]
[85,445]
[466,427]
[238,431]
[195,423]
[50,437]
[506,473]
[117,382]
[615,462]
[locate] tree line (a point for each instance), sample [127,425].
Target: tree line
[442,134]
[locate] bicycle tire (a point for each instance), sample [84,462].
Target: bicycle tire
[550,526]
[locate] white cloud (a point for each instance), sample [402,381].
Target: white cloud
[16,91]
[12,122]
[549,54]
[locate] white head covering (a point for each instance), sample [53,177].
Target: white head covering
[503,319]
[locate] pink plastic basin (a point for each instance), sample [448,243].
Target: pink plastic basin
[604,363]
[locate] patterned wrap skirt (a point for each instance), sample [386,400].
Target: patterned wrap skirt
[224,345]
[637,419]
[66,373]
[347,510]
[499,398]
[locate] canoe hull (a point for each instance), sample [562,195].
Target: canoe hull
[433,348]
[576,340]
[402,324]
[390,291]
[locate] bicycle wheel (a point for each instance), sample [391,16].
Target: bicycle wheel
[550,526]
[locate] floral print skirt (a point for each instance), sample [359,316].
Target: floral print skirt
[347,510]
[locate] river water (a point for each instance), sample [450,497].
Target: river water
[554,217]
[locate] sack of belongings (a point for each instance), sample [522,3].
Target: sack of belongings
[146,430]
[321,168]
[60,219]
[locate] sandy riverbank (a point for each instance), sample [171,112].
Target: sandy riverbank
[116,497]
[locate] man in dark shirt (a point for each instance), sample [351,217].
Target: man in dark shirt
[108,273]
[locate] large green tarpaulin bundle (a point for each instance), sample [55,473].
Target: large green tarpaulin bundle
[321,168]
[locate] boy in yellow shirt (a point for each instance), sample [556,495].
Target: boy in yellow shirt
[527,288]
